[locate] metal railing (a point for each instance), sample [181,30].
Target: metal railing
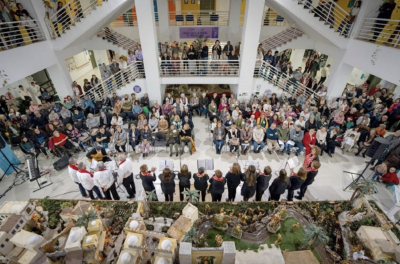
[271,18]
[331,13]
[281,38]
[282,80]
[199,18]
[129,19]
[380,31]
[207,68]
[69,15]
[117,39]
[19,33]
[116,81]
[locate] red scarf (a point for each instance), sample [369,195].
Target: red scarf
[217,179]
[307,161]
[145,173]
[121,162]
[74,167]
[102,170]
[85,171]
[200,175]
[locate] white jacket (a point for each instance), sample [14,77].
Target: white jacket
[119,122]
[72,173]
[125,169]
[103,179]
[86,180]
[258,134]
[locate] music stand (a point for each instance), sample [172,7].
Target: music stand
[17,170]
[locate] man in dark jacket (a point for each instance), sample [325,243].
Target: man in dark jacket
[98,153]
[39,121]
[228,48]
[311,174]
[145,101]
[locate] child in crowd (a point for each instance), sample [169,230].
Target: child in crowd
[348,143]
[390,178]
[380,170]
[381,130]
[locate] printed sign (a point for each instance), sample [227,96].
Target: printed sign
[137,89]
[194,32]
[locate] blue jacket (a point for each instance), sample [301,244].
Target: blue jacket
[136,109]
[56,108]
[270,59]
[87,103]
[272,134]
[78,116]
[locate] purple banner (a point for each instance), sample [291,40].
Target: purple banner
[194,32]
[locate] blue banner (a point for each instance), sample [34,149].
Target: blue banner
[4,165]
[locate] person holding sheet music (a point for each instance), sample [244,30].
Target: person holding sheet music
[263,182]
[217,186]
[219,137]
[104,179]
[173,140]
[200,182]
[125,175]
[278,186]
[148,178]
[295,140]
[249,186]
[313,155]
[296,180]
[233,178]
[184,177]
[246,136]
[167,184]
[311,174]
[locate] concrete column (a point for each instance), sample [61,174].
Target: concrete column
[163,20]
[337,80]
[38,6]
[297,57]
[234,21]
[250,38]
[62,80]
[148,40]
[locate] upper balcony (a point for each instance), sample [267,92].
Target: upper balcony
[380,31]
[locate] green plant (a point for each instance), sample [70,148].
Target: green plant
[65,205]
[4,78]
[191,236]
[362,188]
[151,196]
[199,40]
[315,235]
[192,196]
[86,218]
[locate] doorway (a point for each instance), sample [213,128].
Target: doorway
[92,59]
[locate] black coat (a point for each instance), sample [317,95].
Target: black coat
[295,182]
[217,185]
[147,182]
[184,179]
[310,177]
[39,121]
[277,187]
[233,180]
[200,183]
[167,187]
[247,190]
[108,117]
[35,140]
[263,182]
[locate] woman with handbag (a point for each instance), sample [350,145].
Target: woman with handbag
[173,140]
[350,18]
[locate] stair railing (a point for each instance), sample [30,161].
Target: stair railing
[380,31]
[20,33]
[281,38]
[118,39]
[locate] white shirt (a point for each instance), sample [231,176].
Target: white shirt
[52,10]
[103,179]
[122,65]
[36,89]
[86,180]
[325,72]
[72,173]
[125,169]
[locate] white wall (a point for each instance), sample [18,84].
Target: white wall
[222,5]
[101,57]
[357,77]
[13,87]
[79,72]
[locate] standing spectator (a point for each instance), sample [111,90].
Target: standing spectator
[385,13]
[278,186]
[228,48]
[115,70]
[123,66]
[324,74]
[350,18]
[173,140]
[233,62]
[51,15]
[217,183]
[125,175]
[104,179]
[217,48]
[166,64]
[263,182]
[200,182]
[233,178]
[167,184]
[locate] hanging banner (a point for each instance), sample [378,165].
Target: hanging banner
[194,32]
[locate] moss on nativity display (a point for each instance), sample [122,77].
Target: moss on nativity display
[77,231]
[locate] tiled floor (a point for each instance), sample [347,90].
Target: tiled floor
[328,185]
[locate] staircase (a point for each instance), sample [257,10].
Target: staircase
[281,38]
[117,39]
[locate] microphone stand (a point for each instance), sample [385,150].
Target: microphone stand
[17,170]
[286,163]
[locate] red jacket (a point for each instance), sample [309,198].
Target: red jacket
[307,139]
[391,177]
[59,139]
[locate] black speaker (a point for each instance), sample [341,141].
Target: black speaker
[2,142]
[378,146]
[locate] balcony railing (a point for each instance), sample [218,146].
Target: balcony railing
[331,14]
[19,33]
[199,18]
[199,68]
[282,80]
[380,31]
[112,84]
[129,19]
[271,18]
[69,15]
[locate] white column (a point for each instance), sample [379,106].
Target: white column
[234,21]
[62,80]
[148,40]
[38,6]
[163,20]
[337,80]
[250,38]
[297,57]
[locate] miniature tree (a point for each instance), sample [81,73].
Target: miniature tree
[315,235]
[192,196]
[151,196]
[191,236]
[86,218]
[362,188]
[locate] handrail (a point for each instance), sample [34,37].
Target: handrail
[199,18]
[116,81]
[191,68]
[270,18]
[380,31]
[69,16]
[281,38]
[118,39]
[331,13]
[285,83]
[13,36]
